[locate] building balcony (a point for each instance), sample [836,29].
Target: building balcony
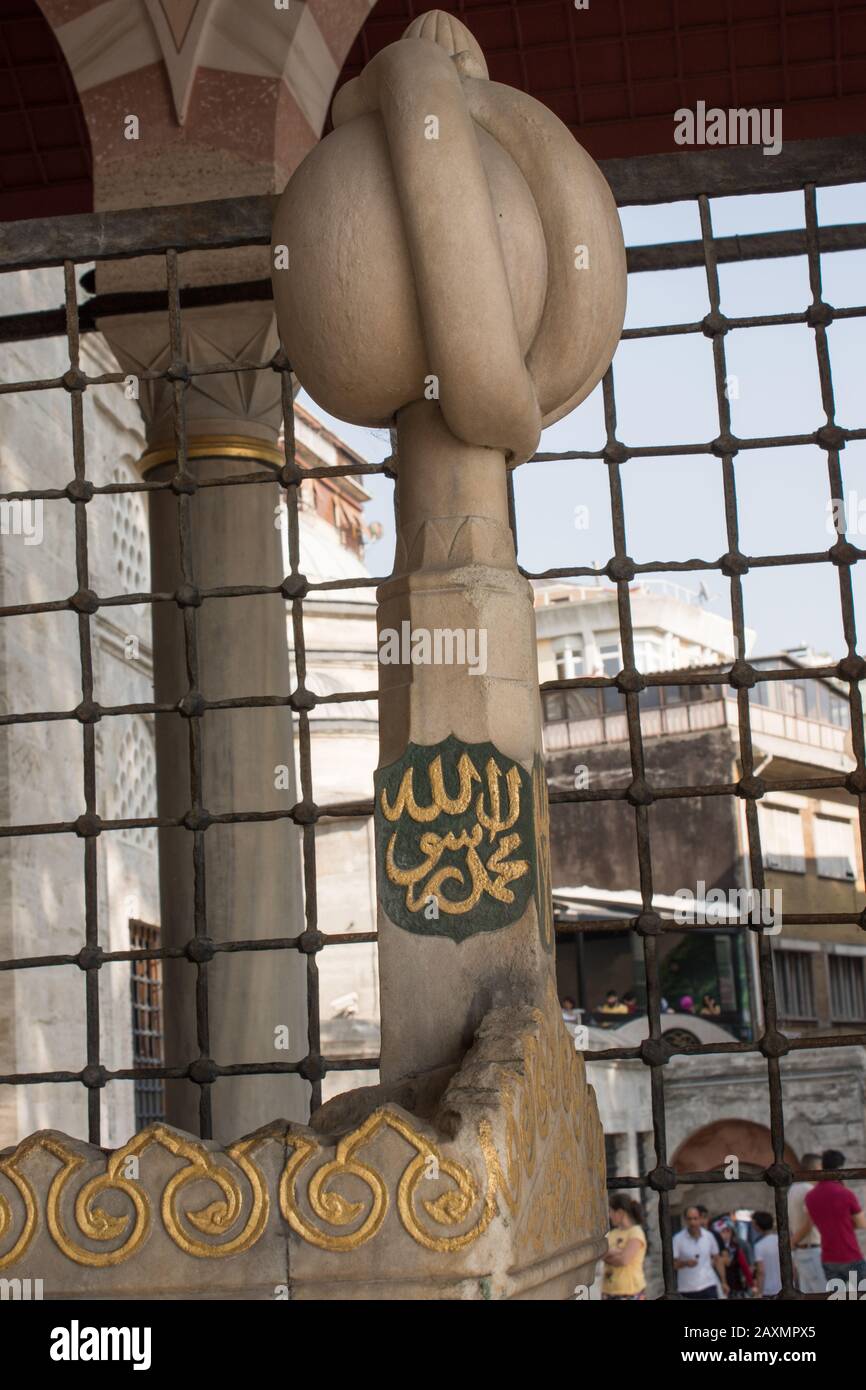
[783,735]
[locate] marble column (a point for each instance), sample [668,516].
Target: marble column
[249,877]
[455,572]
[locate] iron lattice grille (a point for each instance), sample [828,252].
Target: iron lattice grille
[170,233]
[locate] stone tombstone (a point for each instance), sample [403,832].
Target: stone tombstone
[448,264]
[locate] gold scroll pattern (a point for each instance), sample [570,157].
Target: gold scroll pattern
[549,1099]
[545,1099]
[450,1209]
[96,1224]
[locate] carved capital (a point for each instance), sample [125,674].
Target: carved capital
[236,402]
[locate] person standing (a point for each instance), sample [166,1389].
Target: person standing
[738,1271]
[704,1214]
[768,1271]
[697,1260]
[626,1241]
[835,1211]
[807,1257]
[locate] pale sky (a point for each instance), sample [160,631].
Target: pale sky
[665,395]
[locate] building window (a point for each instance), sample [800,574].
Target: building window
[797,695]
[834,848]
[610,658]
[840,712]
[133,791]
[847,989]
[147,1033]
[782,844]
[612,1149]
[553,703]
[795,987]
[569,658]
[648,654]
[574,705]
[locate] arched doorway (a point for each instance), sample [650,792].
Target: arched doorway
[712,1146]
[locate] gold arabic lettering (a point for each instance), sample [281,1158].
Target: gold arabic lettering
[424,881]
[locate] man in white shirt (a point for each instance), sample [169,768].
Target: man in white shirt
[697,1259]
[768,1270]
[807,1256]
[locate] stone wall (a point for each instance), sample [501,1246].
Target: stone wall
[691,839]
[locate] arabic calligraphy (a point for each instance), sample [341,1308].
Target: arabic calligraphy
[456,839]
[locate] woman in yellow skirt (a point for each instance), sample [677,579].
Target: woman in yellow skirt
[626,1249]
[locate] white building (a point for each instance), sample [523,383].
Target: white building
[578,629]
[42,899]
[42,1013]
[341,654]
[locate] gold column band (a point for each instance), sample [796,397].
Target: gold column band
[232,446]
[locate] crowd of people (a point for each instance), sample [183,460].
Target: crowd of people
[615,1004]
[736,1255]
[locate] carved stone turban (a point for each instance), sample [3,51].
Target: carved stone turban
[451,228]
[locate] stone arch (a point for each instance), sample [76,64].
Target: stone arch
[708,1146]
[189,70]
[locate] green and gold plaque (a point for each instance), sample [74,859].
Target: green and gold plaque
[461,840]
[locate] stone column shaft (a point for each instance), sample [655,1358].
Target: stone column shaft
[456,570]
[252,870]
[250,888]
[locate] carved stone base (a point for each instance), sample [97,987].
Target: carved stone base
[490,1187]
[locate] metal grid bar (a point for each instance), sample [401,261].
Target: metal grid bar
[741,677]
[83,603]
[306,812]
[675,255]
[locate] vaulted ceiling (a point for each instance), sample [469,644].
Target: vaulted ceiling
[44,146]
[614,71]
